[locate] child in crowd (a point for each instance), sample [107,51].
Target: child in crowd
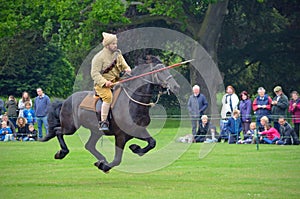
[234,127]
[32,133]
[251,135]
[6,133]
[272,135]
[28,113]
[22,128]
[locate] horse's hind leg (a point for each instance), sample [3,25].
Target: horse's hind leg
[91,146]
[64,149]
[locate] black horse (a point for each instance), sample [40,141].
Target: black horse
[128,119]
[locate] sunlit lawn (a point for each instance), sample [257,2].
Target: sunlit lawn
[28,170]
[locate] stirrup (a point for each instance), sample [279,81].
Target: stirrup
[104,126]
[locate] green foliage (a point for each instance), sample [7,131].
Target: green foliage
[259,45]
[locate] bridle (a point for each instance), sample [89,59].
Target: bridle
[154,80]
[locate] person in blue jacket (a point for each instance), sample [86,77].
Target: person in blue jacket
[234,127]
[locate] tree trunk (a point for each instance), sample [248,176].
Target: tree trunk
[208,36]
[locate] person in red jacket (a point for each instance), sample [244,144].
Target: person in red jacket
[272,135]
[294,109]
[262,105]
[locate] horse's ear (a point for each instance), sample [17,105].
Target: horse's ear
[156,60]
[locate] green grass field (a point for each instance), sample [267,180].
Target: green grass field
[28,170]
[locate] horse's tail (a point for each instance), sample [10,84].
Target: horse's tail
[53,120]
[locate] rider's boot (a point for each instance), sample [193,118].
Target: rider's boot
[104,124]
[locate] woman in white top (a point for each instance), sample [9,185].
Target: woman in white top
[21,105]
[230,102]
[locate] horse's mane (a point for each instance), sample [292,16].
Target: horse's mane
[144,66]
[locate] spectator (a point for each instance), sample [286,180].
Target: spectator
[251,135]
[294,109]
[2,108]
[12,107]
[8,123]
[197,104]
[206,132]
[262,105]
[32,133]
[6,133]
[22,128]
[245,109]
[21,105]
[288,135]
[234,127]
[272,135]
[280,105]
[230,102]
[264,121]
[41,105]
[28,113]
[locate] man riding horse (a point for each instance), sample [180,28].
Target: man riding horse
[106,68]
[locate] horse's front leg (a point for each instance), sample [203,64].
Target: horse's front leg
[91,146]
[142,151]
[120,141]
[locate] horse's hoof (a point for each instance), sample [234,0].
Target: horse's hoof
[60,154]
[101,164]
[136,149]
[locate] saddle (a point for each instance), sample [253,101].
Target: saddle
[93,103]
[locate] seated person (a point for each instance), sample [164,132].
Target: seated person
[205,130]
[6,133]
[32,133]
[272,135]
[9,124]
[288,135]
[22,128]
[251,135]
[234,127]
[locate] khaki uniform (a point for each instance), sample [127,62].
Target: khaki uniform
[101,61]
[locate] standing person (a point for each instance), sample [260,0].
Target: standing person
[262,105]
[2,109]
[245,108]
[21,105]
[12,107]
[41,105]
[234,127]
[294,109]
[280,105]
[230,102]
[28,113]
[197,104]
[106,68]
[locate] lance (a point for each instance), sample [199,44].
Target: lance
[154,71]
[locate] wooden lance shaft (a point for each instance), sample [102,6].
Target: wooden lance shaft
[155,71]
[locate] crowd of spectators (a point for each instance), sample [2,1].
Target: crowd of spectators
[18,118]
[247,122]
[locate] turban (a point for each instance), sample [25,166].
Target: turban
[108,38]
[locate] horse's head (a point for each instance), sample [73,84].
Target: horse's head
[164,78]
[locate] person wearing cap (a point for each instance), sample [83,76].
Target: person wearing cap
[262,105]
[105,71]
[280,105]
